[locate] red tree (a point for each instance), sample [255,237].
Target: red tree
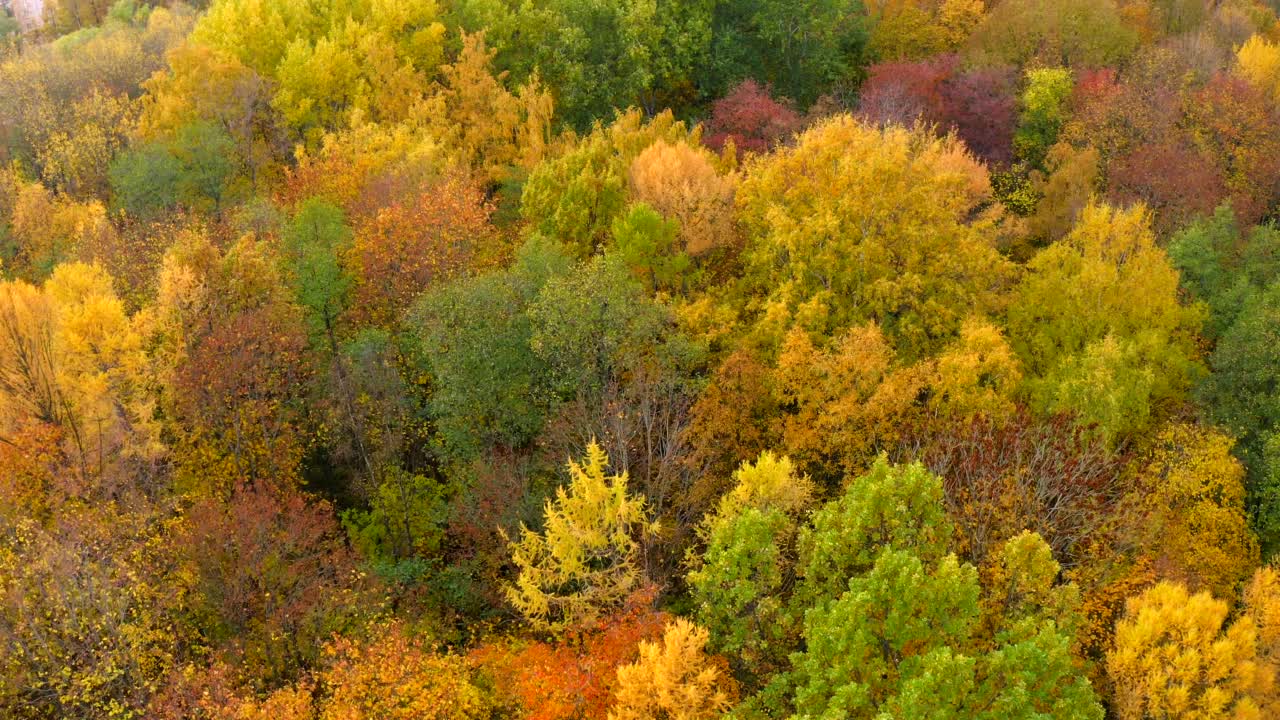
[752,118]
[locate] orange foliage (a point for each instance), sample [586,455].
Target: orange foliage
[423,239]
[574,677]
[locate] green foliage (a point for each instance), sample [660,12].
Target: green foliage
[474,335]
[803,49]
[314,240]
[193,169]
[1044,111]
[739,583]
[892,618]
[647,244]
[404,519]
[576,198]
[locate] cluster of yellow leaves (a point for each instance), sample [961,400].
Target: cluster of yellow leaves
[857,224]
[673,678]
[584,562]
[849,400]
[1174,659]
[1258,61]
[70,356]
[50,228]
[489,128]
[911,29]
[1190,494]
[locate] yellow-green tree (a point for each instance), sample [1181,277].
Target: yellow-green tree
[586,559]
[673,678]
[1174,660]
[1099,326]
[859,224]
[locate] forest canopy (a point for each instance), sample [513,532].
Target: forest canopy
[639,359]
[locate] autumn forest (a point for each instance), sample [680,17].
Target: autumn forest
[640,359]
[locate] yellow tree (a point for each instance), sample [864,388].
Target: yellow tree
[858,224]
[1190,493]
[70,356]
[673,679]
[1173,659]
[493,130]
[1099,326]
[585,561]
[1258,61]
[849,400]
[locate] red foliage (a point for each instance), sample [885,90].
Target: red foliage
[979,106]
[274,576]
[904,93]
[1236,125]
[982,107]
[1048,476]
[415,240]
[573,679]
[752,118]
[1173,178]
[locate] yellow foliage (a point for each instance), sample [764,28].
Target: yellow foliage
[1258,61]
[584,561]
[682,183]
[1172,659]
[850,400]
[1190,490]
[70,356]
[49,228]
[491,129]
[858,224]
[673,679]
[769,482]
[976,375]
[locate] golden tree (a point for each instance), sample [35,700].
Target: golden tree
[585,559]
[673,679]
[1173,660]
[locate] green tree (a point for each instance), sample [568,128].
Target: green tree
[891,618]
[1044,110]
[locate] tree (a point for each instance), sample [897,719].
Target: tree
[849,227]
[1074,33]
[408,246]
[646,243]
[890,617]
[585,560]
[399,677]
[273,576]
[672,678]
[73,358]
[750,118]
[1258,60]
[1044,105]
[1192,492]
[1099,326]
[849,400]
[575,198]
[684,185]
[739,581]
[1174,659]
[804,49]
